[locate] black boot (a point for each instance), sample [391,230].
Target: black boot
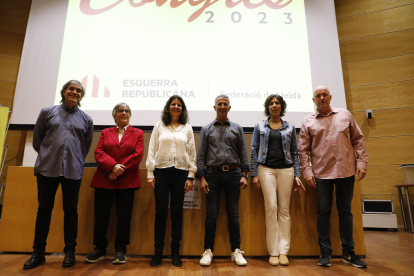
[175,256]
[156,260]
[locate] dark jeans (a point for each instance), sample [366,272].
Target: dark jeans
[344,190]
[46,192]
[169,181]
[124,200]
[230,181]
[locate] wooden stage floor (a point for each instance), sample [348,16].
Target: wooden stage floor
[388,253]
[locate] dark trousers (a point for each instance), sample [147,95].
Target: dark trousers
[169,181]
[124,201]
[46,192]
[230,181]
[344,190]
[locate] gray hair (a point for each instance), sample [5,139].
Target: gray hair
[222,96]
[119,106]
[66,85]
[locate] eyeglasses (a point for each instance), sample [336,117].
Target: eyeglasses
[123,111]
[71,88]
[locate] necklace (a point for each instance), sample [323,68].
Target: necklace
[275,122]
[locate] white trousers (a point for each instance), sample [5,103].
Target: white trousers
[277,187]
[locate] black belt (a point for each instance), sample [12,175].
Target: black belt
[225,168]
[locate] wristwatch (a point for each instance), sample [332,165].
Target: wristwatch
[190,178]
[246,176]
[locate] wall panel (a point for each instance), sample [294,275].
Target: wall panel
[378,46]
[14,16]
[357,7]
[368,24]
[391,150]
[9,67]
[381,179]
[11,43]
[379,71]
[389,122]
[7,92]
[380,96]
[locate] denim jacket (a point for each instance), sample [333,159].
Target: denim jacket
[260,144]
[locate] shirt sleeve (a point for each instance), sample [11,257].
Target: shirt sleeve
[88,137]
[255,150]
[39,131]
[191,151]
[202,153]
[103,160]
[244,160]
[152,148]
[305,144]
[358,142]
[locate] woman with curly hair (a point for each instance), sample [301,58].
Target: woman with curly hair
[171,169]
[274,165]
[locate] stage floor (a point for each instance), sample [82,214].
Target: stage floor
[388,253]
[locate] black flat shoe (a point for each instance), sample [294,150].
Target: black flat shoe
[35,260]
[175,257]
[69,259]
[156,260]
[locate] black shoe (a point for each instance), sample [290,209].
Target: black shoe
[96,256]
[350,258]
[119,258]
[156,260]
[35,260]
[69,259]
[325,259]
[175,256]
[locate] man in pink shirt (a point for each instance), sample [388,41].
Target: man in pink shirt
[328,141]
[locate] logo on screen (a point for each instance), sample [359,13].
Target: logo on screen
[85,5]
[95,87]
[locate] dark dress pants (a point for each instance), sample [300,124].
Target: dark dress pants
[124,201]
[229,181]
[344,190]
[168,181]
[46,192]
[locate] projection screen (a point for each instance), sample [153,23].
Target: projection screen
[142,52]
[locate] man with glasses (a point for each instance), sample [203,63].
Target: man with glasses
[62,138]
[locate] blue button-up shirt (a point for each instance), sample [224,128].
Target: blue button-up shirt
[62,138]
[260,142]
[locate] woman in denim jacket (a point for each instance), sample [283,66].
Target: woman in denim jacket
[274,166]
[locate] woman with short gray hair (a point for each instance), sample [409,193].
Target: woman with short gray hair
[118,154]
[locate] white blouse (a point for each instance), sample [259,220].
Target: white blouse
[172,147]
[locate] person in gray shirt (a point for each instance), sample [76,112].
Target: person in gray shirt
[62,138]
[222,156]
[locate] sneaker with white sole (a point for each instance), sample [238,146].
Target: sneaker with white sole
[350,258]
[237,257]
[325,258]
[206,257]
[96,256]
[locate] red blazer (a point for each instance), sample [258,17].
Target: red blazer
[110,151]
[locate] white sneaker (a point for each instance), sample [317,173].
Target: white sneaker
[206,257]
[237,257]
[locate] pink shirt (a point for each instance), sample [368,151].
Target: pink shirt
[329,142]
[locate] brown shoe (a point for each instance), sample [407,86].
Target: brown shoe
[274,260]
[283,260]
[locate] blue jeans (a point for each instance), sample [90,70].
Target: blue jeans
[230,181]
[169,181]
[344,190]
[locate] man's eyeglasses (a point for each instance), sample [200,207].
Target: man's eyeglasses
[71,88]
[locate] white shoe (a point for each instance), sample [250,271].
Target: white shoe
[237,257]
[206,257]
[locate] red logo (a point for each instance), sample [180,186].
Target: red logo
[95,87]
[85,5]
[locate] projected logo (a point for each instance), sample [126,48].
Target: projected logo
[86,8]
[95,87]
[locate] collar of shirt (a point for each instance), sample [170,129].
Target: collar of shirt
[125,128]
[66,108]
[284,123]
[333,110]
[215,122]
